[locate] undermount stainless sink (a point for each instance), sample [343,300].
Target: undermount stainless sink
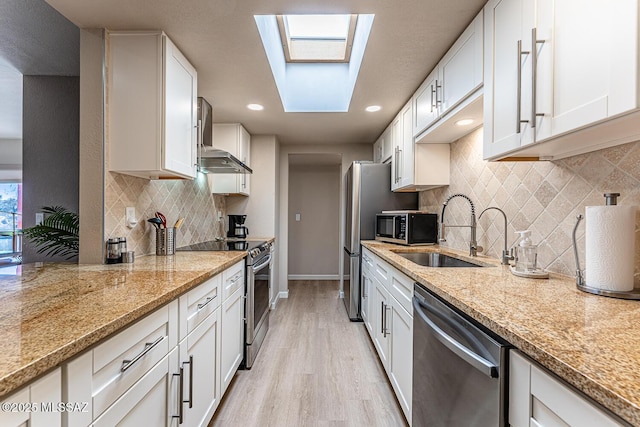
[435,259]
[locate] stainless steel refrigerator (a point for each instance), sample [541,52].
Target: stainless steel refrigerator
[367,190]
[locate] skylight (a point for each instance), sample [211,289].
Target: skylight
[323,81]
[317,38]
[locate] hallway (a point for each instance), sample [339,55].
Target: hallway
[316,368]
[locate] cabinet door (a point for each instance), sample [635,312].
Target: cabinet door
[366,284]
[536,398]
[401,357]
[46,390]
[592,52]
[426,102]
[244,184]
[377,151]
[152,401]
[396,159]
[407,163]
[460,70]
[232,334]
[386,145]
[381,327]
[200,361]
[507,69]
[181,109]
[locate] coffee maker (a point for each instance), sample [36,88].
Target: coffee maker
[237,228]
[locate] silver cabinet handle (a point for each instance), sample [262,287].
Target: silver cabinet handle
[438,101]
[190,363]
[207,301]
[382,317]
[385,329]
[519,120]
[399,168]
[126,364]
[534,75]
[180,415]
[433,90]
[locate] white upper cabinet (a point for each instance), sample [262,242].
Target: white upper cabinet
[452,90]
[152,107]
[562,77]
[416,167]
[235,139]
[382,147]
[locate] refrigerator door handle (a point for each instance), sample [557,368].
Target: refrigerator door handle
[351,254]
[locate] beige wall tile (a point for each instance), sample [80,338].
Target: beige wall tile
[544,197]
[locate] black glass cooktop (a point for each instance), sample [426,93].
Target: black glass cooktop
[227,245]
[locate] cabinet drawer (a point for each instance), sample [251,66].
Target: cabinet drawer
[145,403]
[198,303]
[232,280]
[46,390]
[124,358]
[382,272]
[368,262]
[402,290]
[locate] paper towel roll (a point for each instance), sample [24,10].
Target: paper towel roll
[610,247]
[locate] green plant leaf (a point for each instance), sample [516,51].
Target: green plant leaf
[57,234]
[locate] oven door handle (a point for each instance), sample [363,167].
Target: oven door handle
[255,268]
[480,363]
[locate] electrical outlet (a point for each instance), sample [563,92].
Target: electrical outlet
[298,217]
[219,215]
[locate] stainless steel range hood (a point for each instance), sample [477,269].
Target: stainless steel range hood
[210,159]
[218,161]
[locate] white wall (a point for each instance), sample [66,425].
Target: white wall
[314,195]
[349,153]
[263,206]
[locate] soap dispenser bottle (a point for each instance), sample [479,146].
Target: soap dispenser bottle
[526,253]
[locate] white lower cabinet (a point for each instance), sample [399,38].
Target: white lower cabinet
[165,369]
[148,402]
[538,399]
[26,405]
[199,368]
[232,348]
[390,323]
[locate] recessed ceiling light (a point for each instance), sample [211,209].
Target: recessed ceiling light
[255,107]
[464,122]
[373,108]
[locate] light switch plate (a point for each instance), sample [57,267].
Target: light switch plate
[298,217]
[39,218]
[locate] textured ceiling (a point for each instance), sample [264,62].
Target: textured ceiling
[220,38]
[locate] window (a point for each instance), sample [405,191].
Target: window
[317,38]
[10,215]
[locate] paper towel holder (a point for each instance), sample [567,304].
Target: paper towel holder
[580,280]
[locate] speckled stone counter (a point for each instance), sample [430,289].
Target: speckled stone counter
[590,341]
[51,312]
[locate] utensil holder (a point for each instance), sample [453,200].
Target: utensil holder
[165,241]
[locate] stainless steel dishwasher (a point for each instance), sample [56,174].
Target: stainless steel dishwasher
[459,371]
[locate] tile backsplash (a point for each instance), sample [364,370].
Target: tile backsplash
[544,197]
[174,198]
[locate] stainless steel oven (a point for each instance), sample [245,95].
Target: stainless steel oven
[459,370]
[258,282]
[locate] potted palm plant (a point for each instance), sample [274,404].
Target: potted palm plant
[57,234]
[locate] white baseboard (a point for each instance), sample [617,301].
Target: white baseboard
[282,294]
[313,277]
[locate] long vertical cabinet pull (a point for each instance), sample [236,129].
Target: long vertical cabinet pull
[385,329]
[190,363]
[432,104]
[519,120]
[534,75]
[180,415]
[400,159]
[382,317]
[438,101]
[395,166]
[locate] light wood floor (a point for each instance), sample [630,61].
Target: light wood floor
[315,368]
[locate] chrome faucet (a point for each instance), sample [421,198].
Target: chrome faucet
[507,255]
[473,244]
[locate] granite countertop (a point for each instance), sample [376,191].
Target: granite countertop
[51,312]
[590,341]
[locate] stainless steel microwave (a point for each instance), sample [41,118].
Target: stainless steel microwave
[407,227]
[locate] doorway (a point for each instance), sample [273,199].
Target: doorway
[314,216]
